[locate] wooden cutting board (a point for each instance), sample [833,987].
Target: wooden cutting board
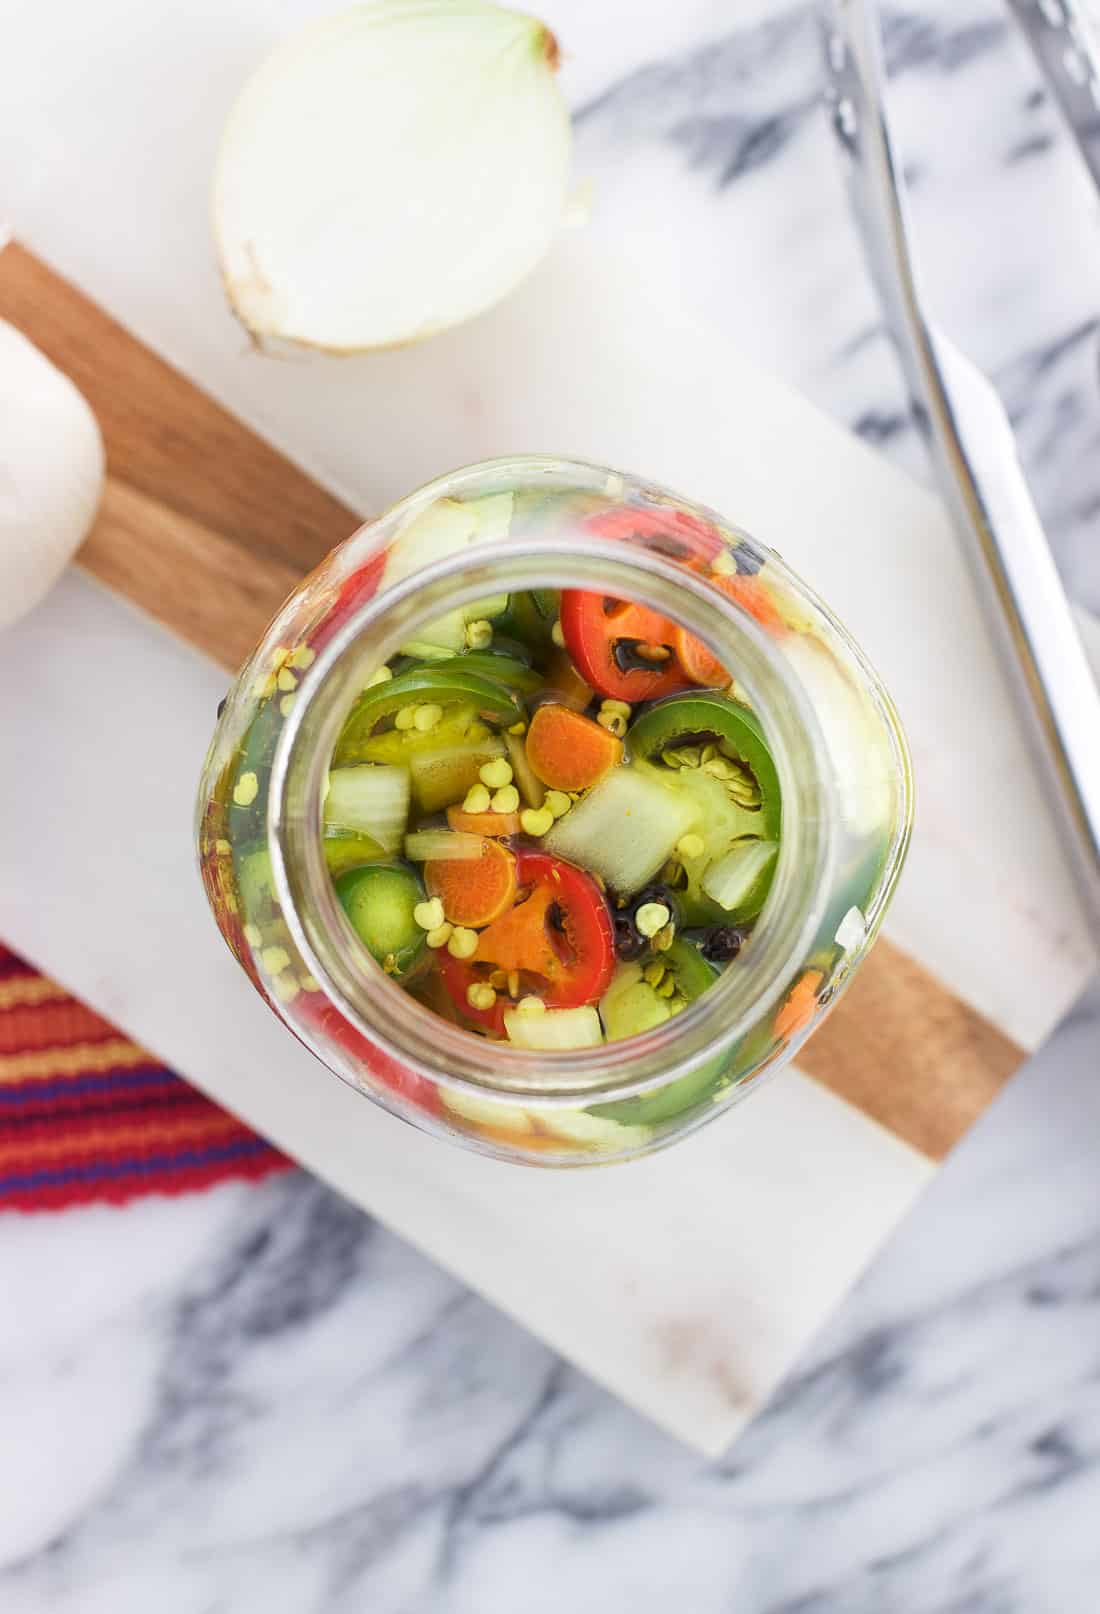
[208,528]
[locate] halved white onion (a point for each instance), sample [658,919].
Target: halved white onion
[390,172]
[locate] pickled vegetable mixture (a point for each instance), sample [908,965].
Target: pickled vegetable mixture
[551,818]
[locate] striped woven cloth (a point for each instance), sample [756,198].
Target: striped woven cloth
[85,1114]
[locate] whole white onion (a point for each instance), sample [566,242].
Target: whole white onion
[52,467]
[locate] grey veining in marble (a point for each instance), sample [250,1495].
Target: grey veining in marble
[326,1422]
[256,1400]
[1008,226]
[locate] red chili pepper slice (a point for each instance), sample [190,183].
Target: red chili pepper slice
[458,975]
[353,592]
[690,538]
[316,1010]
[560,937]
[609,639]
[603,636]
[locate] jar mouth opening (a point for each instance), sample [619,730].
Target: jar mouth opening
[381,1009]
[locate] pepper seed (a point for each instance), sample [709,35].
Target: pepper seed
[429,915]
[462,943]
[425,718]
[246,790]
[496,774]
[285,987]
[535,821]
[505,800]
[651,918]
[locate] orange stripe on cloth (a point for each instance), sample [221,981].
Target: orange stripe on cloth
[52,1025]
[87,1116]
[29,989]
[118,1053]
[102,1142]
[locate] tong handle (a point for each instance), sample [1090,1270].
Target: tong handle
[973,449]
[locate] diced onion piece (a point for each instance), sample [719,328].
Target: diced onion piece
[493,514]
[487,1112]
[530,788]
[630,1005]
[555,1031]
[442,775]
[851,931]
[595,1133]
[863,765]
[428,845]
[370,799]
[624,829]
[443,529]
[730,878]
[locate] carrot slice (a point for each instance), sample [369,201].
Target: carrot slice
[751,595]
[699,663]
[473,890]
[799,1006]
[497,826]
[754,597]
[520,939]
[568,751]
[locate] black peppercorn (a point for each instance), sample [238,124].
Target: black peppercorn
[720,945]
[629,941]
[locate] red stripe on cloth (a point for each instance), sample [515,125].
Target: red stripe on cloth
[11,964]
[57,1024]
[86,1115]
[161,1177]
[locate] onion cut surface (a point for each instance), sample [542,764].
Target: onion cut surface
[390,172]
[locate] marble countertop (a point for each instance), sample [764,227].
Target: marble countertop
[256,1399]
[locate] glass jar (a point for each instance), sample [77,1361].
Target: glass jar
[835,738]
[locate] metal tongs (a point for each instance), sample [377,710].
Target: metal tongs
[963,420]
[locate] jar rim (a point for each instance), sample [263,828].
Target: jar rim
[382,1010]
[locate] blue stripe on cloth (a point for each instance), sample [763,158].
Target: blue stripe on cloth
[16,1093]
[104,1171]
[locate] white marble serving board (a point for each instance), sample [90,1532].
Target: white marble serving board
[689,1282]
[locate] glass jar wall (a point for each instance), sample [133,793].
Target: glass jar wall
[473,567]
